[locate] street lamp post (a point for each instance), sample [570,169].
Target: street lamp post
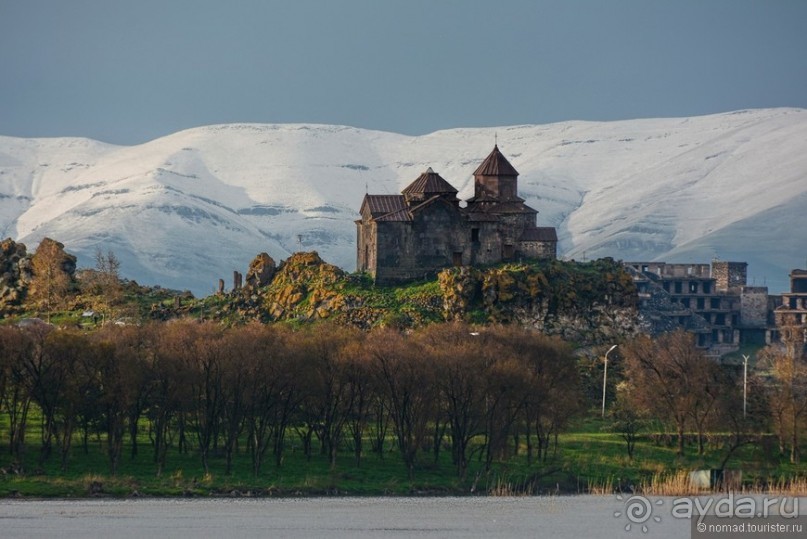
[745,384]
[605,378]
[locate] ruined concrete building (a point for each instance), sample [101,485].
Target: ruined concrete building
[712,301]
[425,229]
[791,316]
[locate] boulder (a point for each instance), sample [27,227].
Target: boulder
[261,270]
[15,273]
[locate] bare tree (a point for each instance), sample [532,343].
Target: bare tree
[123,384]
[323,390]
[103,283]
[169,385]
[16,347]
[457,351]
[53,271]
[59,384]
[204,358]
[744,422]
[235,373]
[273,391]
[672,379]
[627,419]
[330,399]
[405,378]
[357,369]
[788,396]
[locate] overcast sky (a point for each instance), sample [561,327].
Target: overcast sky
[127,71]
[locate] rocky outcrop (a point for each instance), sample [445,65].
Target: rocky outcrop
[55,250]
[261,271]
[15,273]
[19,282]
[587,303]
[303,287]
[461,289]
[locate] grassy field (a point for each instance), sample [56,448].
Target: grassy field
[589,459]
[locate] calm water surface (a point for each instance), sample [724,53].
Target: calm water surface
[560,517]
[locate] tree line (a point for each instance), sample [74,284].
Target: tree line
[667,380]
[222,392]
[485,393]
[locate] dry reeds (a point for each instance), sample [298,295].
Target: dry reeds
[680,483]
[669,484]
[504,488]
[601,489]
[783,486]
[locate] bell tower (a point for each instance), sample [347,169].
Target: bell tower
[496,179]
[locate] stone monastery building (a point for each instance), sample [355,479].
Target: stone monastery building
[424,229]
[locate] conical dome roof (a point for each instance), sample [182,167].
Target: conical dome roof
[495,164]
[429,183]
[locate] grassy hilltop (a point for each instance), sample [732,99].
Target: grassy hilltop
[545,293]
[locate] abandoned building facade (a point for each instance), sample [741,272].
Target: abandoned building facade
[425,229]
[791,316]
[716,304]
[711,301]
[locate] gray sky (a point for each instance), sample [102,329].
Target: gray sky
[127,71]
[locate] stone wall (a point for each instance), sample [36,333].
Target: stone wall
[366,250]
[537,249]
[437,238]
[488,248]
[729,276]
[754,307]
[512,226]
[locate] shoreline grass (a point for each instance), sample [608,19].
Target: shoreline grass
[586,461]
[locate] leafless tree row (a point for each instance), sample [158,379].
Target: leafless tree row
[255,390]
[668,380]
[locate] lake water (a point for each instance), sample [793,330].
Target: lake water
[558,517]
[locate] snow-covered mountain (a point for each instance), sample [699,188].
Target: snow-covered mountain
[189,208]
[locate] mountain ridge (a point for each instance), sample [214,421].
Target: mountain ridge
[187,209]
